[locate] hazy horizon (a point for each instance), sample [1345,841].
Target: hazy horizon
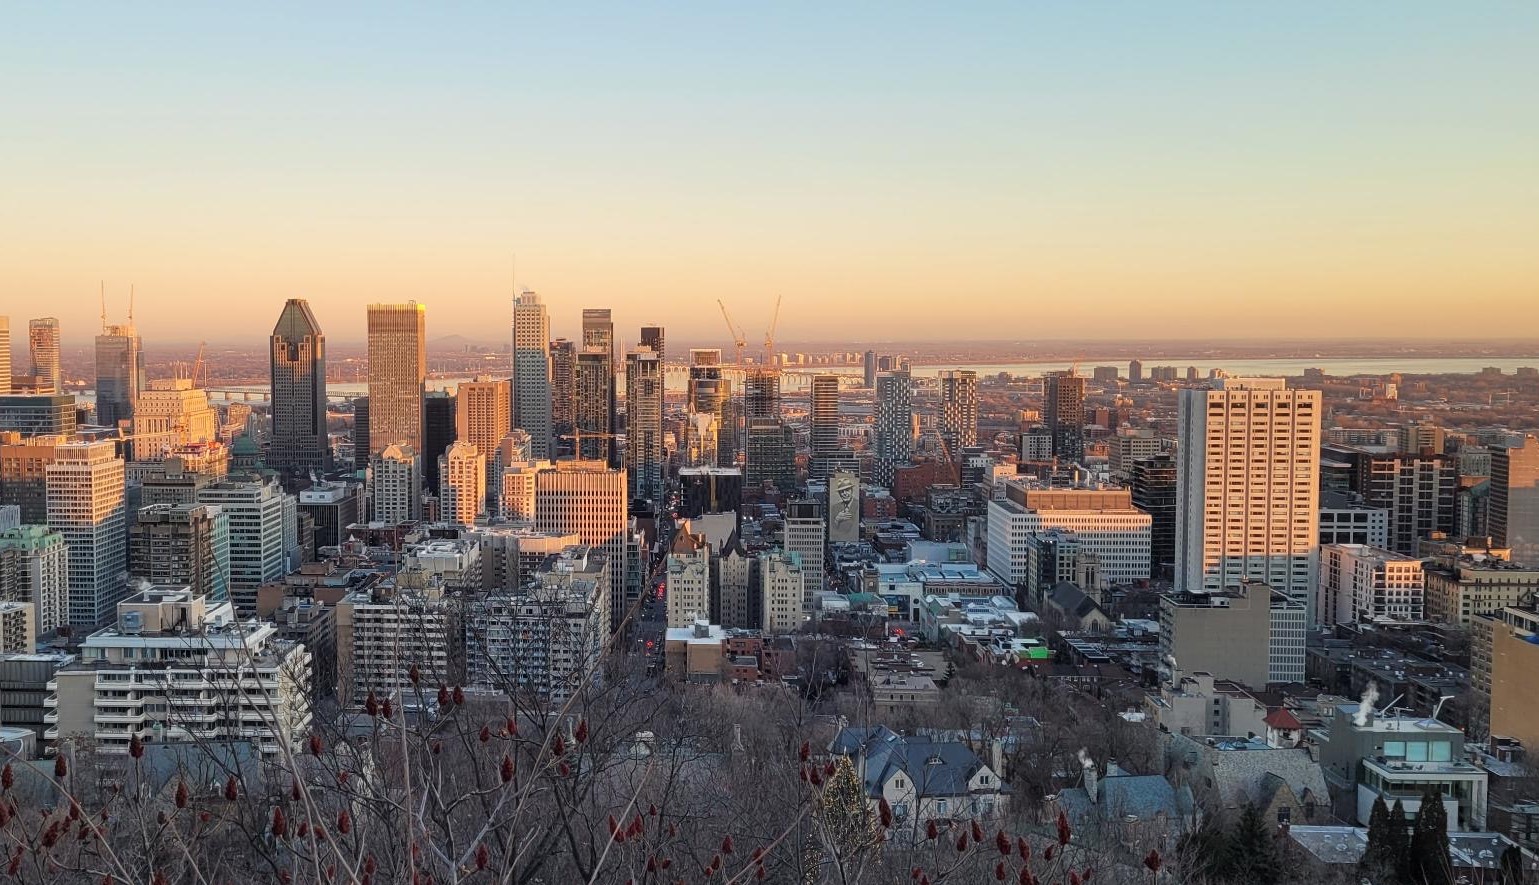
[895,173]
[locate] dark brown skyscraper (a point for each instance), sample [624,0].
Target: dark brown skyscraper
[563,372]
[1065,415]
[299,442]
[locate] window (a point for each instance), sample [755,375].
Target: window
[900,811]
[1284,814]
[941,807]
[1394,749]
[1442,751]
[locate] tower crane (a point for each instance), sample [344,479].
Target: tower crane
[738,338]
[769,335]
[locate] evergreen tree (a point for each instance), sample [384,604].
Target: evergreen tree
[1251,854]
[1511,870]
[849,827]
[1400,842]
[1378,864]
[1430,863]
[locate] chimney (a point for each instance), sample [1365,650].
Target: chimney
[997,757]
[1091,779]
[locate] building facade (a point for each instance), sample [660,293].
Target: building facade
[85,482]
[397,374]
[300,440]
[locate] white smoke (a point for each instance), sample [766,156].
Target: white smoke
[1365,704]
[1084,758]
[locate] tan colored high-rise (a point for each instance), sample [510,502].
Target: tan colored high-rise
[172,414]
[397,374]
[482,417]
[5,355]
[1248,490]
[462,483]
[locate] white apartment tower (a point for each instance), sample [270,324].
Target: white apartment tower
[395,485]
[806,534]
[644,453]
[177,667]
[689,579]
[43,342]
[531,372]
[781,590]
[1361,583]
[1248,491]
[34,567]
[86,505]
[259,513]
[462,483]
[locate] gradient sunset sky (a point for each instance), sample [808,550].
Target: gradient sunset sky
[894,171]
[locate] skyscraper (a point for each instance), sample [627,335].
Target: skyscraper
[462,479]
[119,375]
[532,372]
[806,535]
[870,369]
[563,390]
[1248,491]
[709,438]
[597,397]
[1514,507]
[825,424]
[1135,371]
[440,416]
[182,545]
[644,422]
[1065,414]
[587,499]
[262,527]
[5,355]
[397,374]
[652,336]
[298,363]
[34,567]
[959,408]
[395,485]
[769,447]
[43,341]
[361,433]
[85,505]
[169,415]
[894,423]
[595,383]
[483,416]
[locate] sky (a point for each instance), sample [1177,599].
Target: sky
[892,171]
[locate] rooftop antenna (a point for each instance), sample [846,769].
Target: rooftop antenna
[104,305]
[130,304]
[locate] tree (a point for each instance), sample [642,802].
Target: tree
[1378,863]
[1400,841]
[1511,869]
[1251,854]
[1430,862]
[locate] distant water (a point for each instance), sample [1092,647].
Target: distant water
[1287,368]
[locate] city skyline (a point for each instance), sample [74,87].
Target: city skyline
[1152,163]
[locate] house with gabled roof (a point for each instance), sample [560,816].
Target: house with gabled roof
[922,778]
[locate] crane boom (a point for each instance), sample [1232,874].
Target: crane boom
[769,335]
[738,338]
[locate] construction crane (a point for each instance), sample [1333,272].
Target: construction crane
[198,365]
[738,338]
[769,335]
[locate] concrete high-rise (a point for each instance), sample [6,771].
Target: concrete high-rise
[263,528]
[119,378]
[587,499]
[824,408]
[563,385]
[595,383]
[1135,371]
[1064,414]
[869,364]
[959,408]
[397,374]
[483,416]
[86,505]
[644,422]
[1514,505]
[43,342]
[1248,494]
[806,536]
[182,545]
[894,423]
[23,473]
[462,483]
[300,444]
[34,567]
[395,485]
[532,372]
